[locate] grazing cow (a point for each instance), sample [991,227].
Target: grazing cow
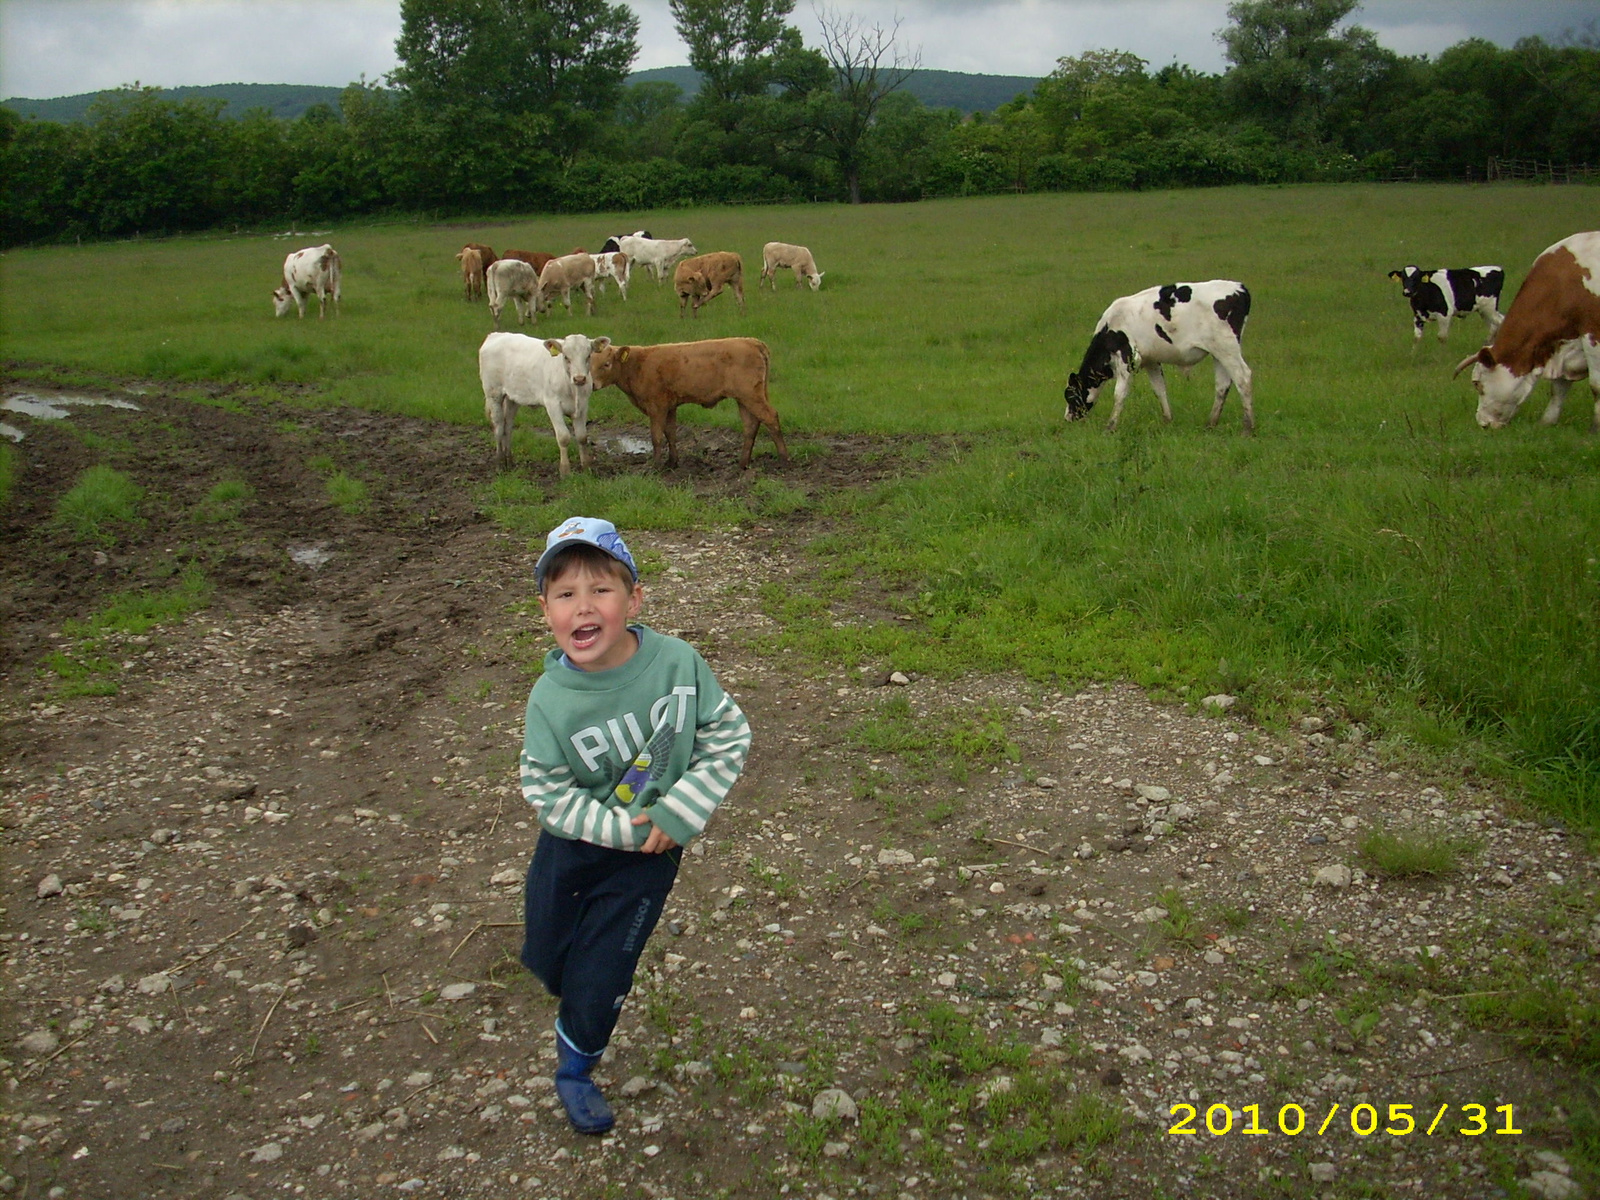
[1442,295]
[484,252]
[655,254]
[1176,324]
[471,271]
[514,280]
[613,264]
[660,378]
[1558,305]
[517,370]
[776,256]
[562,275]
[312,270]
[534,258]
[614,242]
[700,280]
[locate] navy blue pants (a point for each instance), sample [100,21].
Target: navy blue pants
[588,912]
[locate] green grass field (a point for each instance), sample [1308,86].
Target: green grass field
[1370,547]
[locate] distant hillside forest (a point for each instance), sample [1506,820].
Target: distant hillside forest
[465,126]
[936,89]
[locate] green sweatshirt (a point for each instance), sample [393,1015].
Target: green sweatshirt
[586,728]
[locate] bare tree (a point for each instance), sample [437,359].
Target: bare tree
[867,65]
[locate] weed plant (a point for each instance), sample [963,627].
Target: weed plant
[224,502]
[8,471]
[348,494]
[1404,854]
[101,500]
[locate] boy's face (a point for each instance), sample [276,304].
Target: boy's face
[588,611]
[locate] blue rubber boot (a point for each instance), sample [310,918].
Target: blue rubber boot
[586,1107]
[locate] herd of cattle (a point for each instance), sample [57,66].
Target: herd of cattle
[1552,331]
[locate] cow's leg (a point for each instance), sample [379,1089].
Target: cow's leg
[1223,382]
[1417,321]
[501,413]
[1158,384]
[588,295]
[752,426]
[1591,354]
[1491,315]
[738,290]
[1558,396]
[1119,393]
[672,436]
[1444,327]
[798,276]
[1231,366]
[758,411]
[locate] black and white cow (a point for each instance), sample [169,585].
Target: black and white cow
[1444,294]
[1176,324]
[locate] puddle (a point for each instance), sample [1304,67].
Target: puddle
[626,443]
[313,556]
[11,431]
[55,408]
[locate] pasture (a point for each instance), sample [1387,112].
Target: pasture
[1370,548]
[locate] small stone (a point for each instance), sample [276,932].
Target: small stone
[114,986]
[154,985]
[1111,1077]
[457,991]
[41,1041]
[163,837]
[896,858]
[899,679]
[174,1125]
[1154,794]
[266,1152]
[300,936]
[509,875]
[834,1104]
[370,1132]
[1220,701]
[1084,850]
[50,885]
[1151,915]
[1336,876]
[141,1024]
[1322,1172]
[419,1079]
[637,1086]
[411,1185]
[1552,1186]
[1045,782]
[1262,760]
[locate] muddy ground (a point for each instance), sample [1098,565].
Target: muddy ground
[969,938]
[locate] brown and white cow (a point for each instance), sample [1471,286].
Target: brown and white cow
[700,280]
[660,378]
[1557,304]
[780,256]
[312,270]
[612,264]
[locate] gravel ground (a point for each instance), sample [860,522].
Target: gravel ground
[947,938]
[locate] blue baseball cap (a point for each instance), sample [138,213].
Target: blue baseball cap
[584,531]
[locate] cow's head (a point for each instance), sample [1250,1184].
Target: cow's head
[816,280]
[1080,397]
[282,300]
[576,353]
[688,248]
[1409,277]
[605,365]
[1500,392]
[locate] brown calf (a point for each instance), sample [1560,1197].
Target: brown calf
[701,279]
[660,378]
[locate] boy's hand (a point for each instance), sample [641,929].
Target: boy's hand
[658,842]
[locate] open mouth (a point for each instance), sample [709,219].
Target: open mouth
[585,636]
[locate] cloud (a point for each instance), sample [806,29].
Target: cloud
[62,47]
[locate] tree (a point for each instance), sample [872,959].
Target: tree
[733,43]
[1290,67]
[565,59]
[867,66]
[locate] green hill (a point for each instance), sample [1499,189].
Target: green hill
[937,89]
[286,100]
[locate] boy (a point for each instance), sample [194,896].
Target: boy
[630,746]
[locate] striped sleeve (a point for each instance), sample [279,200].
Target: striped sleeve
[720,747]
[569,811]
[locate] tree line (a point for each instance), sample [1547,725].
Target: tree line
[523,106]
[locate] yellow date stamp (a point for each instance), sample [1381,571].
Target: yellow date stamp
[1363,1120]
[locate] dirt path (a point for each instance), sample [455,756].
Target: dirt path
[260,905]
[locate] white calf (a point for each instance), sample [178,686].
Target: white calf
[522,370]
[1176,324]
[563,275]
[656,255]
[514,280]
[312,270]
[613,265]
[779,256]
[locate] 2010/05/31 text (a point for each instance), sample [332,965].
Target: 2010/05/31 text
[1364,1119]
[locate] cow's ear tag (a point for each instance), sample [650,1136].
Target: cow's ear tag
[625,354]
[554,348]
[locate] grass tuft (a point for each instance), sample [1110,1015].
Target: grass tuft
[102,499]
[1406,854]
[224,502]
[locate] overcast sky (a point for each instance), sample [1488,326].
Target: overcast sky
[63,47]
